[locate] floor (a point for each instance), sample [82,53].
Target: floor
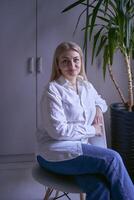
[17,183]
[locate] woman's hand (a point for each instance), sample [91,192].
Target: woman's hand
[98,120]
[98,129]
[98,116]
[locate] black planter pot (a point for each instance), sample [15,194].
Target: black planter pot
[122,134]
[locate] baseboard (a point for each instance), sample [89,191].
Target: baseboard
[17,158]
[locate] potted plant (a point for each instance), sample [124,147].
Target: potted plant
[110,25]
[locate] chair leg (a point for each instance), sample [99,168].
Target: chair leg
[48,193]
[82,196]
[50,190]
[56,194]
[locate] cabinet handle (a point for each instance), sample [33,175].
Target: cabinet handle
[39,64]
[30,67]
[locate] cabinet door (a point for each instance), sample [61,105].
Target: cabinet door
[17,86]
[53,27]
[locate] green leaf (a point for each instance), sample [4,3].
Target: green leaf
[112,6]
[95,11]
[96,38]
[105,60]
[86,34]
[78,20]
[103,19]
[112,43]
[72,5]
[133,54]
[106,5]
[108,10]
[96,25]
[101,45]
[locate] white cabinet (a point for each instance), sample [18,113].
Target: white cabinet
[30,29]
[17,86]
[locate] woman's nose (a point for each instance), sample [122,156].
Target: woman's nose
[72,64]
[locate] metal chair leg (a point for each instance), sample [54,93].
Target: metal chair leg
[82,196]
[50,190]
[48,193]
[57,193]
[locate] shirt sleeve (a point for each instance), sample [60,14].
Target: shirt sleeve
[55,121]
[98,99]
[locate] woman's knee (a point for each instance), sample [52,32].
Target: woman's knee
[115,156]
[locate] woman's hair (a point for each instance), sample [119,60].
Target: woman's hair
[66,46]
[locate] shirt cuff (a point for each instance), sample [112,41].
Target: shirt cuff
[90,131]
[102,107]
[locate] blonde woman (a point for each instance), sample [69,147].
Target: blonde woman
[72,117]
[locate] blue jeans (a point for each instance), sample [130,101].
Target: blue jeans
[99,172]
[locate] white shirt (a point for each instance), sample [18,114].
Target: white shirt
[67,118]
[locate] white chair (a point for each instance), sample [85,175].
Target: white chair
[61,185]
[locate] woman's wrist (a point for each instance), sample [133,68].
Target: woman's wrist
[98,107]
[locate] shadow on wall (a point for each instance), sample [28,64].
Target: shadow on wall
[105,87]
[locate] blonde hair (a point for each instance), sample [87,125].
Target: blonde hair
[66,46]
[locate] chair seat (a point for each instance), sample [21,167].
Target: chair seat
[62,183]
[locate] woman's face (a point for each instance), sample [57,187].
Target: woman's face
[69,64]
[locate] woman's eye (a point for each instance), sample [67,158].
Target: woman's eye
[65,62]
[76,60]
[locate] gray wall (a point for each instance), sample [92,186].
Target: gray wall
[106,87]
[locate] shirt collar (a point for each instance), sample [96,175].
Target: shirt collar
[65,82]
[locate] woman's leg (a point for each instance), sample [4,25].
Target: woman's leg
[94,161]
[111,166]
[95,187]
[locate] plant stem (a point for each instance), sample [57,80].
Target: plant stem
[130,84]
[116,84]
